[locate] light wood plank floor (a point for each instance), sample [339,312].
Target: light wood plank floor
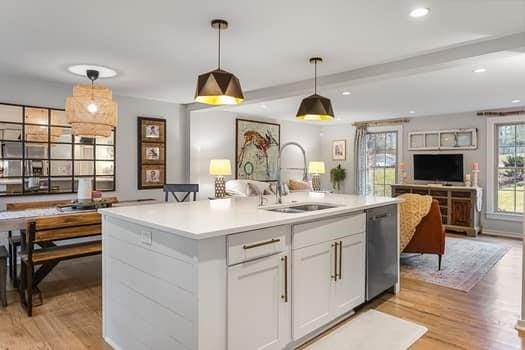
[484,318]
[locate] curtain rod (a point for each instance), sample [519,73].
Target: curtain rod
[381,122]
[501,112]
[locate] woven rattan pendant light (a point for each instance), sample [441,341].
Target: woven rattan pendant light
[219,87]
[315,107]
[91,110]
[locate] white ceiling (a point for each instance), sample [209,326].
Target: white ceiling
[443,91]
[159,47]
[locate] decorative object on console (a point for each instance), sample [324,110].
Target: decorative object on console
[220,168]
[316,169]
[404,175]
[339,150]
[337,176]
[219,87]
[257,150]
[91,110]
[475,174]
[315,107]
[468,183]
[152,152]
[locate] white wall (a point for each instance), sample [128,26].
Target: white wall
[213,137]
[46,94]
[449,121]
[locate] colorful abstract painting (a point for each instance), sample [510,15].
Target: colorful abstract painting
[257,150]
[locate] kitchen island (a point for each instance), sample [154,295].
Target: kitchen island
[227,274]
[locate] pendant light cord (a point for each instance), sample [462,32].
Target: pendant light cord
[219,53]
[315,78]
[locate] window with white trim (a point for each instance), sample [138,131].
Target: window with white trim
[381,150]
[509,167]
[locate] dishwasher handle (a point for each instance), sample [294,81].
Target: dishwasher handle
[380,216]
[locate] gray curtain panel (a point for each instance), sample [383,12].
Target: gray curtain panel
[360,160]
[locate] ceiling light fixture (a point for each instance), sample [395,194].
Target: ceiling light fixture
[479,70]
[516,101]
[419,12]
[346,93]
[315,107]
[81,69]
[412,112]
[219,87]
[91,110]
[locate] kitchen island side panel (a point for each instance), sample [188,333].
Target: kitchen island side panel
[150,288]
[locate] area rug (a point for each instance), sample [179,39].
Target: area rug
[464,264]
[371,330]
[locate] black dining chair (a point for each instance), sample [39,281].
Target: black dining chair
[183,189]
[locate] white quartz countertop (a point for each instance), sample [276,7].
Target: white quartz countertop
[212,218]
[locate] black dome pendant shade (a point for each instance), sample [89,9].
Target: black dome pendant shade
[315,107]
[219,87]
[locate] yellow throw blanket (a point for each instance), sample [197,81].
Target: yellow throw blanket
[412,210]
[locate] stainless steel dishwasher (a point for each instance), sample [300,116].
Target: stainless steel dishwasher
[381,250]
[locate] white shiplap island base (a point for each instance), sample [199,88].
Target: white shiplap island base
[225,274]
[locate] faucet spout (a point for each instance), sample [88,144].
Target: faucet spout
[278,192]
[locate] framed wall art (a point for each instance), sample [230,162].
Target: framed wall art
[257,149]
[151,152]
[339,150]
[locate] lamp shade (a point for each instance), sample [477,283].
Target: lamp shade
[91,111]
[316,167]
[220,167]
[315,107]
[218,87]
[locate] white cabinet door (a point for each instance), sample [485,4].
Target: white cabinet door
[349,290]
[312,287]
[258,307]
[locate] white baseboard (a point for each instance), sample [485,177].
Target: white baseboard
[502,234]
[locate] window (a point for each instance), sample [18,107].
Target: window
[510,156]
[381,150]
[39,154]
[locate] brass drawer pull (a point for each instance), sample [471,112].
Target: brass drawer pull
[285,296]
[260,244]
[340,258]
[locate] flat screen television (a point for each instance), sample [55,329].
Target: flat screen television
[438,167]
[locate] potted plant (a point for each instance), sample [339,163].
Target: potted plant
[337,176]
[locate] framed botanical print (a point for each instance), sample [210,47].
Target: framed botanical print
[339,150]
[151,152]
[257,150]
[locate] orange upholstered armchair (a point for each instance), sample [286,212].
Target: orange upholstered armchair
[430,235]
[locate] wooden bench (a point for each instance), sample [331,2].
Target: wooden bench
[14,242]
[39,248]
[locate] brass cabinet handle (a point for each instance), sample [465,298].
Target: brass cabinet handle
[285,296]
[334,276]
[340,258]
[260,244]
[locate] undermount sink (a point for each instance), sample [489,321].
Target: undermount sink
[301,208]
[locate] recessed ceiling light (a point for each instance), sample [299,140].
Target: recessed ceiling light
[264,106]
[80,69]
[346,93]
[419,12]
[412,112]
[479,70]
[516,101]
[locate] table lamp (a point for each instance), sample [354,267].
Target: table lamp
[220,168]
[316,169]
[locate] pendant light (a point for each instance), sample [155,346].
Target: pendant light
[91,110]
[315,107]
[219,87]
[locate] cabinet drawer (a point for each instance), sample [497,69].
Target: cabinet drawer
[328,229]
[258,243]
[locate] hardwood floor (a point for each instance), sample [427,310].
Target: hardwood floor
[484,318]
